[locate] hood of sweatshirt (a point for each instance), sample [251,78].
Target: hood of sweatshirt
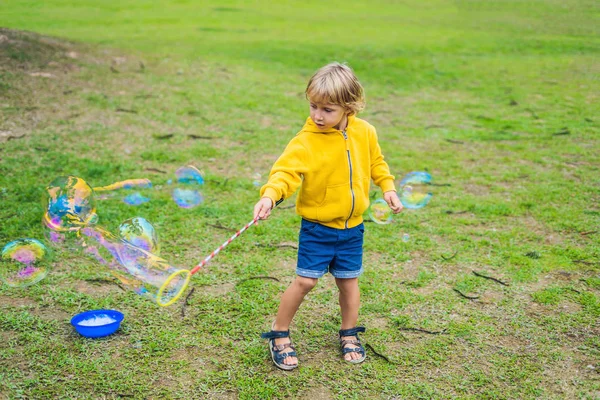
[310,126]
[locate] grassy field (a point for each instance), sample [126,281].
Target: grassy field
[499,101]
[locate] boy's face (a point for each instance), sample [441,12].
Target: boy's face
[328,116]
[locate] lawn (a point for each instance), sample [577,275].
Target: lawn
[498,101]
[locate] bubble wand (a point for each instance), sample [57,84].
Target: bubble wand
[221,247]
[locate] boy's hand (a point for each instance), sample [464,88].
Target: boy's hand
[391,198]
[263,208]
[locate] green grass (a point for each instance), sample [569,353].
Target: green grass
[499,100]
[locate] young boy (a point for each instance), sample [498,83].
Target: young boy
[332,159]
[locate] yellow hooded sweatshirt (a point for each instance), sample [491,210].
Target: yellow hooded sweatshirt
[334,168]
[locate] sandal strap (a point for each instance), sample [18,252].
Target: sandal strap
[344,343]
[279,357]
[281,347]
[352,331]
[360,350]
[275,334]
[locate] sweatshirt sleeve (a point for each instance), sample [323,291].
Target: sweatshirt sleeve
[380,171]
[286,174]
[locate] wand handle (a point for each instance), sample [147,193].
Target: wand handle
[221,247]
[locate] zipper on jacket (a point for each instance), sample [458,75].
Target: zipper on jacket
[350,166]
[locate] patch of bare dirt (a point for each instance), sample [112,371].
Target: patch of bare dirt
[29,52]
[374,322]
[317,393]
[51,314]
[17,301]
[96,289]
[217,290]
[491,297]
[534,226]
[475,189]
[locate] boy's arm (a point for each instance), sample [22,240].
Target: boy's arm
[380,171]
[286,174]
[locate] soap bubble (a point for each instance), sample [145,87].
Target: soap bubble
[414,190]
[140,233]
[135,199]
[23,262]
[380,212]
[143,272]
[189,174]
[69,204]
[405,237]
[187,198]
[184,195]
[257,179]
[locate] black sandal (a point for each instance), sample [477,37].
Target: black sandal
[277,354]
[358,349]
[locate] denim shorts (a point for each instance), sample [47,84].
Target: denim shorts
[323,249]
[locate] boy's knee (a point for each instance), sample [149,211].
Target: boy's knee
[306,284]
[346,283]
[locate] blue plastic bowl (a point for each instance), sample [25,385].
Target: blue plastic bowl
[89,329]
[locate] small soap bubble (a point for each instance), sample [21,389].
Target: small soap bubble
[405,237]
[140,233]
[23,262]
[135,199]
[380,212]
[187,198]
[414,190]
[257,179]
[184,194]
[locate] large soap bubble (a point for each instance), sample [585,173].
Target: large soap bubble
[414,189]
[137,269]
[70,204]
[24,262]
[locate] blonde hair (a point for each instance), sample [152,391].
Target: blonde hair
[336,83]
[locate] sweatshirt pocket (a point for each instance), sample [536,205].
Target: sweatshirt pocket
[337,203]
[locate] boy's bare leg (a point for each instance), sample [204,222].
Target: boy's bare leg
[290,302]
[349,304]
